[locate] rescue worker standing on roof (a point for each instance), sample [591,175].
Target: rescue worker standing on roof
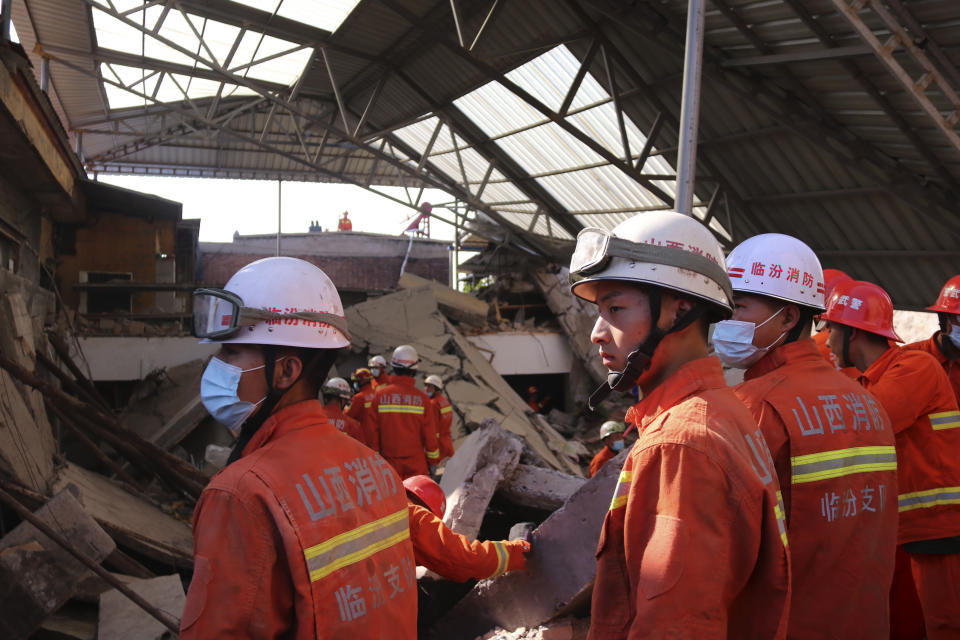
[336,394]
[404,419]
[450,554]
[443,414]
[944,345]
[611,433]
[360,406]
[832,443]
[916,393]
[304,534]
[378,367]
[694,543]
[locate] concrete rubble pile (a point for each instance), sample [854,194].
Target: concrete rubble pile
[122,502]
[476,391]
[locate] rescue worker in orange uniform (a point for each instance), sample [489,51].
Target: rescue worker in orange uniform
[830,279]
[378,367]
[403,418]
[443,414]
[694,544]
[305,533]
[336,394]
[450,554]
[944,345]
[917,395]
[360,406]
[831,441]
[612,436]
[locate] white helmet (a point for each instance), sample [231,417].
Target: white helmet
[662,248]
[278,301]
[434,380]
[611,427]
[337,387]
[777,266]
[404,357]
[377,361]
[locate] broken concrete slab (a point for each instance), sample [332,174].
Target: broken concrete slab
[132,521]
[461,307]
[73,621]
[36,575]
[539,488]
[171,408]
[467,392]
[484,459]
[547,589]
[122,619]
[26,439]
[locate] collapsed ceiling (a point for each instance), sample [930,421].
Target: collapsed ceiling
[541,117]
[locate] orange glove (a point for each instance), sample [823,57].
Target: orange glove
[516,549]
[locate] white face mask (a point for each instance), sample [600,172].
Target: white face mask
[733,342]
[954,335]
[218,392]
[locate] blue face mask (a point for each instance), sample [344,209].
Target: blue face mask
[617,445]
[218,391]
[954,335]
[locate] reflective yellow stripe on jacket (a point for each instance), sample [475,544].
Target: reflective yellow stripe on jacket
[780,511]
[447,409]
[944,420]
[842,462]
[400,408]
[623,489]
[356,545]
[433,455]
[503,557]
[929,498]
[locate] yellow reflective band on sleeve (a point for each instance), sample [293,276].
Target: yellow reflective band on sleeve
[842,462]
[433,455]
[928,498]
[623,490]
[447,409]
[779,511]
[356,545]
[503,557]
[945,420]
[400,408]
[366,405]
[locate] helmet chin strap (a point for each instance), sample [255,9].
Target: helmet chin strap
[639,359]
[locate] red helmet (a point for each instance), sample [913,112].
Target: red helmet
[428,492]
[949,300]
[861,305]
[830,279]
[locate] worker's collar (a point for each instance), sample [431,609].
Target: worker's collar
[309,413]
[791,352]
[403,381]
[692,377]
[879,366]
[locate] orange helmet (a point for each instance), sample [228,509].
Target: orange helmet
[424,489]
[830,279]
[362,376]
[861,305]
[949,300]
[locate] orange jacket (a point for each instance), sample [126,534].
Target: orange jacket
[605,455]
[345,423]
[305,536]
[833,449]
[407,429]
[382,381]
[359,410]
[916,393]
[951,367]
[453,556]
[444,417]
[694,543]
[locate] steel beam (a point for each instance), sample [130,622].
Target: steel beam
[690,106]
[830,53]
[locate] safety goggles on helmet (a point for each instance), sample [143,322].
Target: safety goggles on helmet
[596,247]
[218,313]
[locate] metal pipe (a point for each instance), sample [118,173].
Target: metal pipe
[690,109]
[45,74]
[279,214]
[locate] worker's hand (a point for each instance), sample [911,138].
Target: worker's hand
[517,549]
